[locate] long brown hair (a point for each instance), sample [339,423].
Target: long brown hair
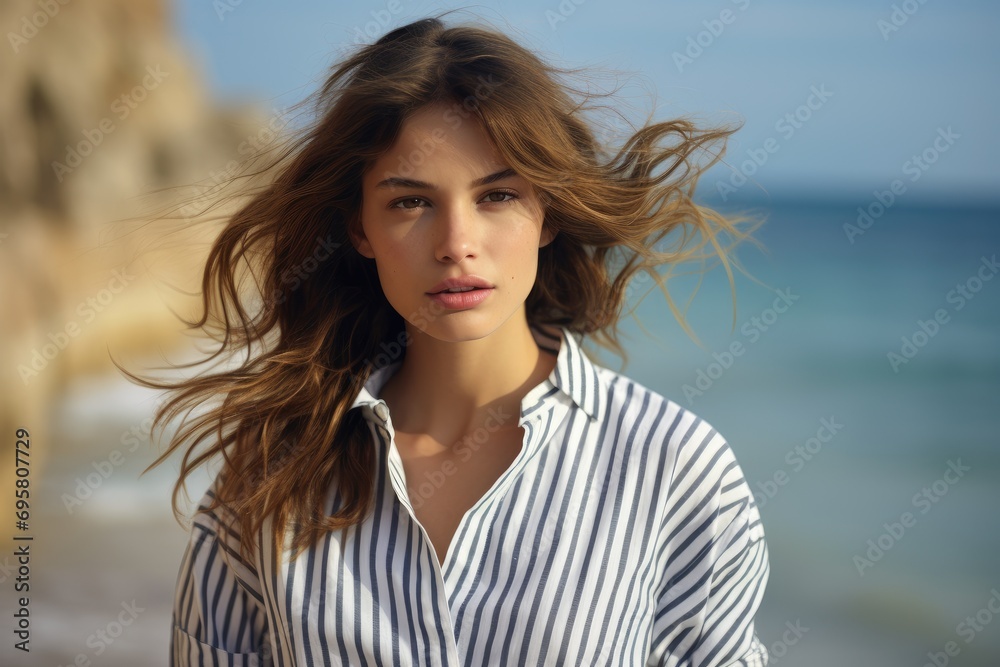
[317,323]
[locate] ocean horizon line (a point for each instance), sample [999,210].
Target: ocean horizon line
[850,198]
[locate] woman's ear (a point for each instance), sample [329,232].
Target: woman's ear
[360,242]
[548,235]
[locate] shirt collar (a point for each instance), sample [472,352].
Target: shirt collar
[574,375]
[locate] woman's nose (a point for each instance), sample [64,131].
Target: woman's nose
[454,234]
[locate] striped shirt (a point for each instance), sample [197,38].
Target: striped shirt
[624,533]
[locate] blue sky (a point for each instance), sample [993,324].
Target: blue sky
[888,90]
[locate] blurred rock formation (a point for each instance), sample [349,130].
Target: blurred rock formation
[100,106]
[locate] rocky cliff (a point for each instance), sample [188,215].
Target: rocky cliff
[100,108]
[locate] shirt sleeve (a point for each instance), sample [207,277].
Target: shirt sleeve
[219,615]
[718,564]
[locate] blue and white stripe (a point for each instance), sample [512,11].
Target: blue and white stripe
[623,534]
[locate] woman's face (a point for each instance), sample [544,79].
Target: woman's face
[428,215]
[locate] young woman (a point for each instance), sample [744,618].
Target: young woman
[421,466]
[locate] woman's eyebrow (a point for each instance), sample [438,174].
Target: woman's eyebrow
[396,182]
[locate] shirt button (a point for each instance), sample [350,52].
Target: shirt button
[381,411]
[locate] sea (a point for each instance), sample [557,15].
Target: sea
[857,381]
[859,388]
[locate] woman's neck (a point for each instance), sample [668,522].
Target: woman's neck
[447,389]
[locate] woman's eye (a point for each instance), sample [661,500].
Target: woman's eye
[410,200]
[501,193]
[495,197]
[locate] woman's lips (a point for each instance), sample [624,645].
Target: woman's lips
[462,300]
[460,282]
